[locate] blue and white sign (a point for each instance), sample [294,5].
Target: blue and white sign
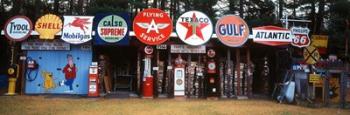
[77,29]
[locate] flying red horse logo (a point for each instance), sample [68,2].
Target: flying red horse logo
[80,22]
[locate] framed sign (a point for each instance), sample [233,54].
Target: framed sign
[232,30]
[112,28]
[194,28]
[77,29]
[272,35]
[187,49]
[18,28]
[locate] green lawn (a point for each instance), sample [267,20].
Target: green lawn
[19,105]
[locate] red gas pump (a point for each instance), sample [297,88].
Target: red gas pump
[93,81]
[148,78]
[212,76]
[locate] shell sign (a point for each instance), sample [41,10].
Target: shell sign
[48,26]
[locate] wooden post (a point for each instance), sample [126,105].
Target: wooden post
[238,70]
[138,72]
[249,68]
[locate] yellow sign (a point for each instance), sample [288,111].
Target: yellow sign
[311,55]
[11,71]
[314,78]
[319,41]
[48,26]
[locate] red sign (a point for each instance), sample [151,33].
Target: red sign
[211,53]
[272,35]
[232,30]
[152,26]
[301,36]
[211,67]
[148,50]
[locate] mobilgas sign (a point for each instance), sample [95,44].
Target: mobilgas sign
[112,28]
[18,28]
[48,26]
[194,28]
[272,35]
[152,26]
[232,30]
[77,29]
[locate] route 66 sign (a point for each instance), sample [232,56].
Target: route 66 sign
[301,36]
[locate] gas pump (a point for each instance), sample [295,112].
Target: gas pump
[179,77]
[93,80]
[147,75]
[13,73]
[213,80]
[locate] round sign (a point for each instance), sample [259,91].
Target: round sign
[152,26]
[18,28]
[211,53]
[112,28]
[311,55]
[194,28]
[211,66]
[148,50]
[179,81]
[232,30]
[48,26]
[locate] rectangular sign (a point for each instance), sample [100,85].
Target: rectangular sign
[320,41]
[314,78]
[187,49]
[45,45]
[162,46]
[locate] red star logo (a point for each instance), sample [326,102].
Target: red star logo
[194,27]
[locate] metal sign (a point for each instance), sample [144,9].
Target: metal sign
[77,29]
[272,35]
[311,55]
[194,28]
[179,82]
[211,53]
[320,41]
[187,49]
[18,28]
[232,30]
[314,78]
[112,28]
[45,45]
[48,26]
[152,26]
[148,50]
[162,46]
[301,36]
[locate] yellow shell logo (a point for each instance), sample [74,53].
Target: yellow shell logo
[48,26]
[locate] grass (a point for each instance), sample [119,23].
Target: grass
[98,106]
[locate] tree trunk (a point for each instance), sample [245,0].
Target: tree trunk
[241,8]
[162,4]
[232,7]
[320,15]
[80,7]
[71,5]
[17,9]
[280,12]
[155,4]
[313,16]
[56,6]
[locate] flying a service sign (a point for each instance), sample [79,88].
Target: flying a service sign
[112,28]
[272,35]
[152,26]
[18,28]
[77,29]
[194,28]
[232,30]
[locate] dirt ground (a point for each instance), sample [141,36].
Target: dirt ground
[45,105]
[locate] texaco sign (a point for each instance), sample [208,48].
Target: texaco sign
[194,28]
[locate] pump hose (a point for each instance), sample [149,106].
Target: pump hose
[29,72]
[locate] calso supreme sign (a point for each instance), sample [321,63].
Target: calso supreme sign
[301,37]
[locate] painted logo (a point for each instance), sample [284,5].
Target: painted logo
[18,28]
[311,55]
[77,29]
[152,26]
[301,37]
[272,35]
[112,28]
[232,30]
[148,50]
[194,28]
[48,26]
[211,53]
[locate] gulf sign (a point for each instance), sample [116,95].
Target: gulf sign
[48,26]
[152,26]
[77,29]
[18,28]
[272,35]
[194,28]
[112,28]
[232,30]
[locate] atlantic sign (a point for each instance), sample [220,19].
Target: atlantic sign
[48,26]
[194,28]
[112,28]
[77,29]
[18,28]
[232,30]
[272,35]
[152,26]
